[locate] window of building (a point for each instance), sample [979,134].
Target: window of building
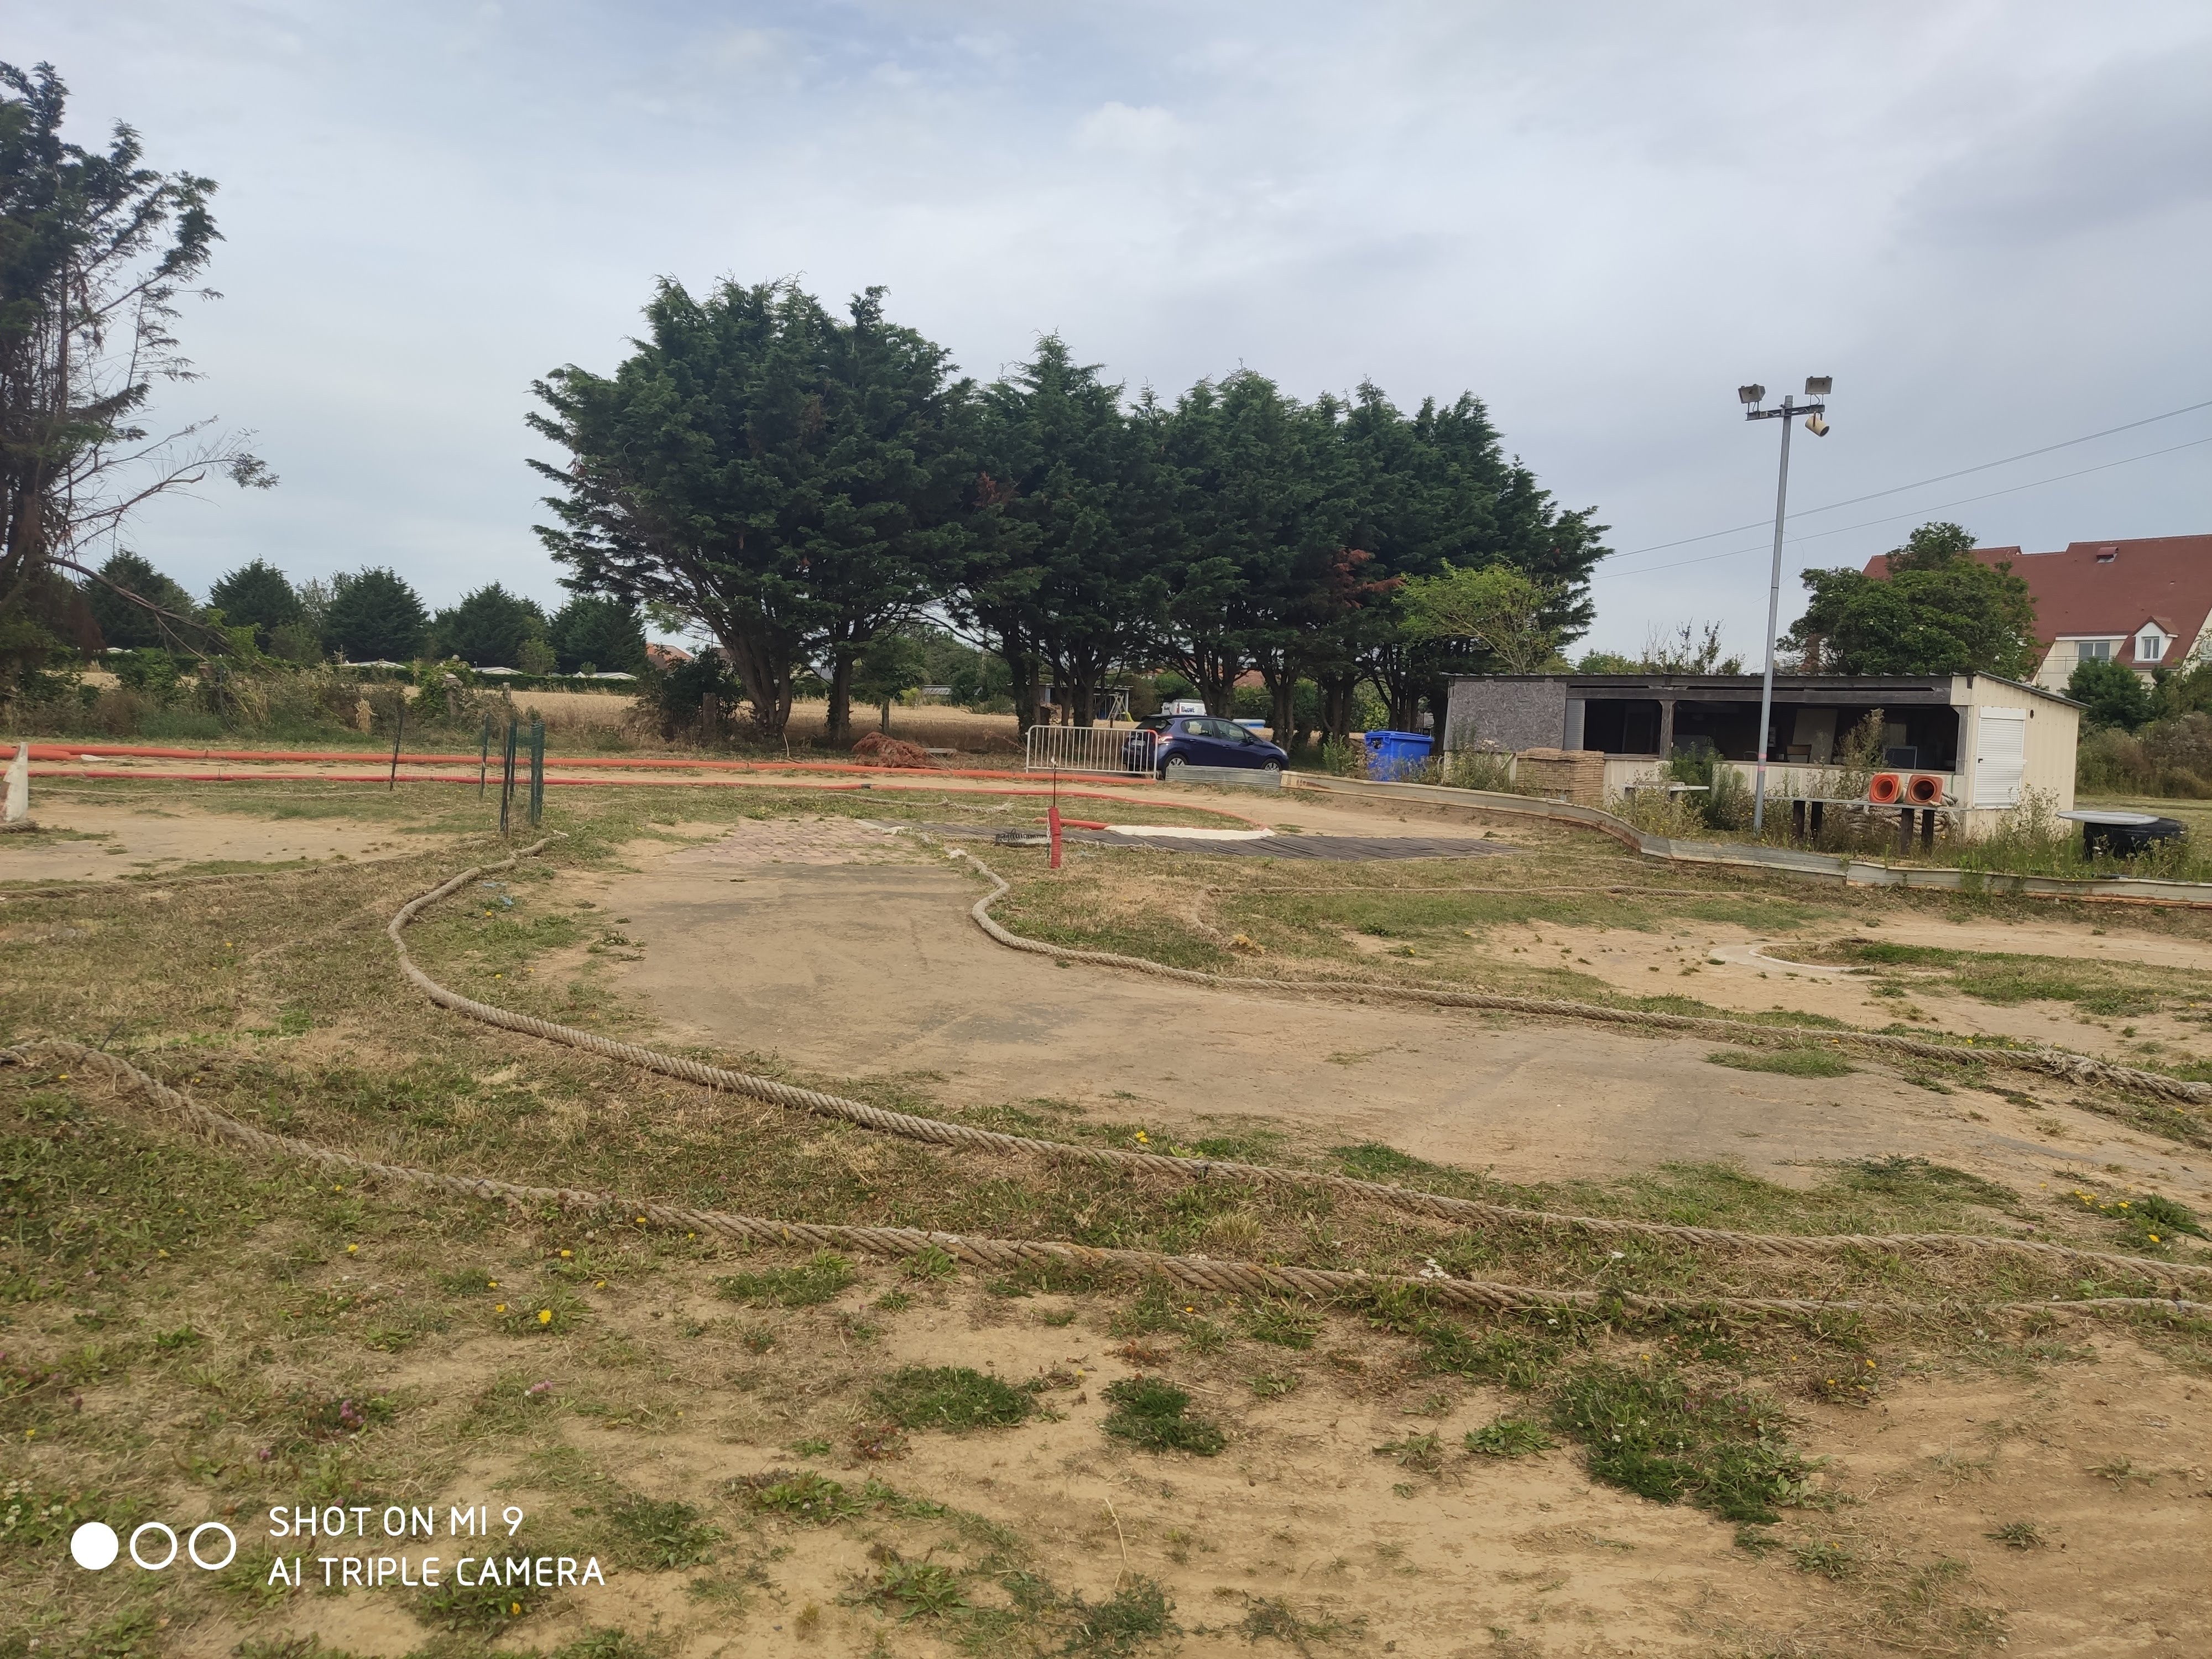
[2150,645]
[2094,650]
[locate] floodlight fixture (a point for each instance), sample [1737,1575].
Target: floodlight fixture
[1816,426]
[1753,395]
[1819,386]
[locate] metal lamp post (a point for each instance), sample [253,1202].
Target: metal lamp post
[1817,387]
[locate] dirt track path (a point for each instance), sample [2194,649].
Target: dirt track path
[874,968]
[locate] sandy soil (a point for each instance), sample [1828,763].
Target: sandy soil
[1525,1558]
[109,841]
[874,968]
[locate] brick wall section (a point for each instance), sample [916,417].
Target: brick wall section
[1505,713]
[1574,775]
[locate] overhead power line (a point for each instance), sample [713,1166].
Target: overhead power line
[1941,478]
[1864,524]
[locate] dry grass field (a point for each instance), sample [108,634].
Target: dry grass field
[782,1448]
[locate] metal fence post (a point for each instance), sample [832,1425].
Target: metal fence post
[506,773]
[484,757]
[537,772]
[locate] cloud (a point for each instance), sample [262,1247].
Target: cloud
[1149,131]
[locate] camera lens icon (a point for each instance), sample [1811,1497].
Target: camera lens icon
[95,1545]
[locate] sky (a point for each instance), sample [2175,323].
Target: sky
[1990,221]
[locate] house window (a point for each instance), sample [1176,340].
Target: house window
[2150,645]
[2094,650]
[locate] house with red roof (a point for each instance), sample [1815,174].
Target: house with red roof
[2142,603]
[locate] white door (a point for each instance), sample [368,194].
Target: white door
[2000,756]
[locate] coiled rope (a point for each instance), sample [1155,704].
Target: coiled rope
[1198,1273]
[2083,1069]
[939,1133]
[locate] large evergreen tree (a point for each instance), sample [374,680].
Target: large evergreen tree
[488,629]
[1063,569]
[373,615]
[794,481]
[595,631]
[256,596]
[137,608]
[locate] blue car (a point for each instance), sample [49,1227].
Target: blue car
[1178,741]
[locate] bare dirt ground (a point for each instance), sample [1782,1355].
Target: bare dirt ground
[88,840]
[872,966]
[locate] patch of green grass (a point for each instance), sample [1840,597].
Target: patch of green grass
[660,1533]
[821,1277]
[1917,1179]
[1136,1613]
[804,1496]
[1649,1430]
[1424,1452]
[2017,1534]
[1789,1062]
[1152,1413]
[950,1397]
[1508,1437]
[1281,1322]
[1829,1560]
[915,1589]
[1272,1620]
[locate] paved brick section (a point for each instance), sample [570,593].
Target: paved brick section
[1326,849]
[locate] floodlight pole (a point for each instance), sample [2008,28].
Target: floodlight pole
[1784,415]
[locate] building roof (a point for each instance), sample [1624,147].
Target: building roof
[2108,590]
[1840,689]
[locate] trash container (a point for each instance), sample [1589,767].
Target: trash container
[1397,757]
[2128,841]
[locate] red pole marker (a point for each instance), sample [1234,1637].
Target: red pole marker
[1052,820]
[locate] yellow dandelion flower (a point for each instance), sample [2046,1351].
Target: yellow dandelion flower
[514,1609]
[353,1250]
[545,1315]
[499,1308]
[599,1285]
[491,1284]
[2152,1236]
[565,1255]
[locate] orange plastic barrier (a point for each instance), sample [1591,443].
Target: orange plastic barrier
[1885,789]
[99,752]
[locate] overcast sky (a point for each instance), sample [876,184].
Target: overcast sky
[1991,222]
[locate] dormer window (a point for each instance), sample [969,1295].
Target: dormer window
[2150,646]
[2094,650]
[2107,555]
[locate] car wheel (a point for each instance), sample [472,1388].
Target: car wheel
[1271,766]
[1173,767]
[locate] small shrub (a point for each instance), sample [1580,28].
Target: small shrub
[1790,1062]
[1152,1413]
[821,1277]
[1508,1437]
[950,1397]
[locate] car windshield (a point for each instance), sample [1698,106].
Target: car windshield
[1154,723]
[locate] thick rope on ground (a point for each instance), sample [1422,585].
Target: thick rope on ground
[938,1133]
[2084,1069]
[1198,1273]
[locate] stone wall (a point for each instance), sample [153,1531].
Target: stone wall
[1507,712]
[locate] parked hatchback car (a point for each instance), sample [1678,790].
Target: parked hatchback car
[1178,741]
